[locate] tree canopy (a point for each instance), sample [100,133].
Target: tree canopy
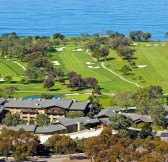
[119,121]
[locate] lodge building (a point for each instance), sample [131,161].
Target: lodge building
[53,108]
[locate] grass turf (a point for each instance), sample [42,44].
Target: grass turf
[76,61]
[155,73]
[154,56]
[8,67]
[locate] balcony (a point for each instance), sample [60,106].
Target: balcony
[29,112]
[55,113]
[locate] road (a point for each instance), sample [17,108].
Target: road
[54,158]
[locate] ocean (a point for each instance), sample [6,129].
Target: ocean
[72,17]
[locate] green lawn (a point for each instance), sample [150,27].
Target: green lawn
[154,56]
[76,61]
[155,73]
[8,67]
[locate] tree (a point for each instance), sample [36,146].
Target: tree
[91,82]
[95,105]
[104,51]
[166,34]
[124,99]
[74,114]
[62,144]
[96,90]
[157,113]
[97,53]
[6,142]
[144,98]
[125,70]
[75,81]
[31,73]
[8,78]
[146,131]
[71,74]
[125,51]
[124,133]
[66,145]
[42,120]
[11,119]
[48,83]
[146,36]
[20,144]
[120,41]
[136,35]
[58,36]
[119,121]
[10,90]
[25,145]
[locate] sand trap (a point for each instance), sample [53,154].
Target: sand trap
[56,63]
[71,94]
[89,63]
[2,80]
[141,66]
[60,49]
[163,44]
[78,50]
[134,44]
[156,44]
[148,45]
[92,67]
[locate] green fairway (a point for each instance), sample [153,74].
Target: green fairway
[76,61]
[154,56]
[8,67]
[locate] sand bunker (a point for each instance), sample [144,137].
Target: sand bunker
[89,63]
[60,49]
[148,45]
[78,50]
[92,67]
[71,94]
[2,80]
[134,44]
[159,44]
[56,63]
[141,66]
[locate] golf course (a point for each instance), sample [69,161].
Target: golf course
[151,69]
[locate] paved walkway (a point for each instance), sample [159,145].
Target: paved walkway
[111,71]
[82,134]
[20,65]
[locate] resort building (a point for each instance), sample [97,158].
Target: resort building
[53,108]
